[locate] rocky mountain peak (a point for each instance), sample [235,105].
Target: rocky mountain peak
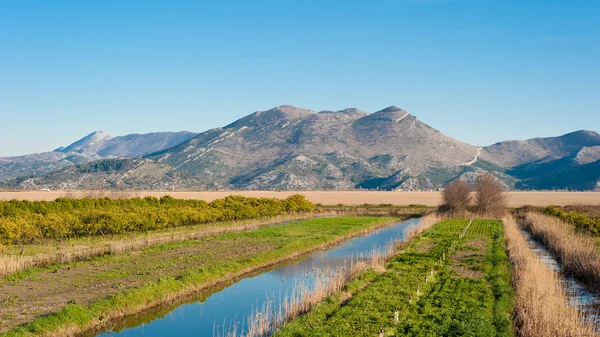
[90,143]
[348,111]
[391,108]
[292,111]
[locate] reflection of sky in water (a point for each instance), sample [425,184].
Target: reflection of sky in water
[578,294]
[236,302]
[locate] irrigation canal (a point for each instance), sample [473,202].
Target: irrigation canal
[217,311]
[579,295]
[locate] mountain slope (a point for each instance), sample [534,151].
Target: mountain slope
[94,146]
[518,152]
[286,148]
[110,174]
[580,170]
[293,148]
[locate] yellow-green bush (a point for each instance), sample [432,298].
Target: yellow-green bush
[27,221]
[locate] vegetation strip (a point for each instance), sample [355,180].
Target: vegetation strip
[43,254]
[275,244]
[577,252]
[541,307]
[26,221]
[440,286]
[580,220]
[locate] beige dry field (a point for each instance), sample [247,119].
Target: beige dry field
[340,197]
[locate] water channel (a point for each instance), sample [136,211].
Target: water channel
[579,295]
[217,310]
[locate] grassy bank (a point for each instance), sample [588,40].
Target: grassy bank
[162,273]
[441,285]
[15,258]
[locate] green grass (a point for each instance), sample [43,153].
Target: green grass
[284,241]
[449,305]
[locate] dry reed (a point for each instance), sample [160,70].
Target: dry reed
[307,293]
[425,223]
[577,252]
[541,307]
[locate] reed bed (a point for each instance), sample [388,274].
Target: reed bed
[541,303]
[425,223]
[307,293]
[577,252]
[10,263]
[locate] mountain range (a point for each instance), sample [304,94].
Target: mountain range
[290,148]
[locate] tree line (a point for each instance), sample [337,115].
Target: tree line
[27,221]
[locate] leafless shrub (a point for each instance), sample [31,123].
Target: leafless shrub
[490,197]
[456,199]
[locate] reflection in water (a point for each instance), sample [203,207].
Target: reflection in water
[578,294]
[229,307]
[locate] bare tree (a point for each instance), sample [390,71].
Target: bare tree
[456,198]
[490,199]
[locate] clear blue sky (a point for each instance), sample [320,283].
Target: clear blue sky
[480,71]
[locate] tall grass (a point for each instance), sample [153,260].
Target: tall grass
[541,307]
[577,252]
[307,293]
[425,223]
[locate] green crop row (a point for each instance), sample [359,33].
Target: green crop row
[448,304]
[452,226]
[579,220]
[25,221]
[483,227]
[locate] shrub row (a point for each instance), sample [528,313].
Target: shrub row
[25,221]
[579,220]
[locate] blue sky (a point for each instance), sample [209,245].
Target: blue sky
[480,71]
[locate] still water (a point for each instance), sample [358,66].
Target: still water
[217,310]
[579,295]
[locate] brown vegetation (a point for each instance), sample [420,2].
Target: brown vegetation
[541,307]
[577,252]
[490,199]
[456,199]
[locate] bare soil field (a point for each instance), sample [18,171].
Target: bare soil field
[515,199]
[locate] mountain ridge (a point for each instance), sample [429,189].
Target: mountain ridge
[288,147]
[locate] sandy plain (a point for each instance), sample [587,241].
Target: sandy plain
[428,198]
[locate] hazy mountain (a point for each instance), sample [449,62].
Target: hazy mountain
[110,174]
[288,148]
[88,145]
[94,146]
[579,170]
[517,152]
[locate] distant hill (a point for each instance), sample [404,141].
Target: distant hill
[104,174]
[518,152]
[290,148]
[579,170]
[95,146]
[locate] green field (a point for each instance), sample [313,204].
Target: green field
[94,290]
[467,291]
